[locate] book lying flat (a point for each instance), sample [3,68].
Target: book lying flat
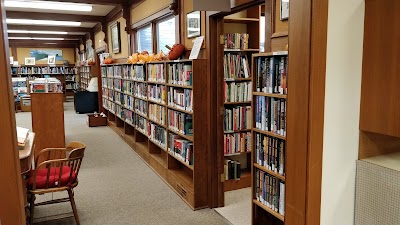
[22,135]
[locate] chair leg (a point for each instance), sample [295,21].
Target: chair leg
[31,209]
[72,200]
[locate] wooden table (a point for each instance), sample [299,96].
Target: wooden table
[26,161]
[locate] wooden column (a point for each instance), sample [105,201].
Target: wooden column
[12,202]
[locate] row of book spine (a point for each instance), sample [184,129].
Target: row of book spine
[271,74]
[156,72]
[232,170]
[119,98]
[236,66]
[141,106]
[181,148]
[43,70]
[237,118]
[270,153]
[180,98]
[129,72]
[270,191]
[157,93]
[118,84]
[129,102]
[237,92]
[141,124]
[140,90]
[130,117]
[157,113]
[271,114]
[180,74]
[236,41]
[237,143]
[119,111]
[157,134]
[180,122]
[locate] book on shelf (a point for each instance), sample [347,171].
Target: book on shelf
[110,71]
[237,92]
[141,107]
[237,143]
[22,136]
[237,118]
[129,102]
[129,117]
[126,71]
[236,66]
[117,71]
[119,97]
[138,72]
[180,122]
[270,153]
[118,84]
[181,98]
[157,113]
[232,170]
[270,191]
[271,74]
[271,114]
[158,134]
[180,74]
[236,41]
[156,73]
[140,90]
[119,111]
[141,124]
[181,148]
[157,93]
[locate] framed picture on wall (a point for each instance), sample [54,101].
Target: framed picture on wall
[51,59]
[115,37]
[30,61]
[193,24]
[284,9]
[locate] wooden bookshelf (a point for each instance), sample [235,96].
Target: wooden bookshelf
[241,20]
[269,145]
[66,74]
[188,181]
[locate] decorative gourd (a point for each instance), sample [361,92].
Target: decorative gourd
[176,51]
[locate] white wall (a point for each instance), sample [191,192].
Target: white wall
[342,109]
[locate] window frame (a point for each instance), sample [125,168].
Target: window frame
[153,24]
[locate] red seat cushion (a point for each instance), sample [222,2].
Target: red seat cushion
[41,177]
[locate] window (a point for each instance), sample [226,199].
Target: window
[144,39]
[166,34]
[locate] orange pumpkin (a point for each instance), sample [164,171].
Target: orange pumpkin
[176,51]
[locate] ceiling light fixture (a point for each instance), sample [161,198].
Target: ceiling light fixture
[35,32]
[35,38]
[43,22]
[48,5]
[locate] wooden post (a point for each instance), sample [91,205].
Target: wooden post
[12,203]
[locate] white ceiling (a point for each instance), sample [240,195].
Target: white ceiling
[98,10]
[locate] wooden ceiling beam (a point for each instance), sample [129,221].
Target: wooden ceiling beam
[48,28]
[53,16]
[77,37]
[42,44]
[97,2]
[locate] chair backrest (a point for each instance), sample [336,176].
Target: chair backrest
[59,173]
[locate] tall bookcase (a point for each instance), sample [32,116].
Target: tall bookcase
[241,40]
[157,108]
[84,77]
[269,137]
[66,74]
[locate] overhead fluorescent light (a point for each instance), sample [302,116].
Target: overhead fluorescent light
[35,38]
[43,22]
[48,5]
[35,32]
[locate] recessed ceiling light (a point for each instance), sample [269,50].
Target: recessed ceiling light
[43,22]
[48,5]
[35,32]
[35,38]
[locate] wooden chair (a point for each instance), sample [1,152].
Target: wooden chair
[56,170]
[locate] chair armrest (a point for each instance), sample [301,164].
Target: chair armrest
[51,154]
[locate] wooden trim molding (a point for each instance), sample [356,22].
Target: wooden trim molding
[156,16]
[12,209]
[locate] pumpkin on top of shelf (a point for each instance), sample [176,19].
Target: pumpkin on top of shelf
[176,51]
[108,61]
[91,62]
[144,57]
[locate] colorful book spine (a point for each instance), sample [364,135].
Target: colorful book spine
[140,90]
[156,73]
[236,66]
[138,72]
[270,153]
[237,92]
[180,74]
[232,170]
[181,148]
[237,143]
[181,98]
[141,107]
[236,41]
[157,113]
[271,74]
[157,93]
[157,134]
[180,122]
[271,114]
[141,124]
[237,118]
[270,191]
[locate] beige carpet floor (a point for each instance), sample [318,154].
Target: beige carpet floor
[115,186]
[237,208]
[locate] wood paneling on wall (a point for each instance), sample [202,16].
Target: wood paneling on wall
[187,7]
[68,54]
[124,40]
[279,37]
[147,8]
[11,198]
